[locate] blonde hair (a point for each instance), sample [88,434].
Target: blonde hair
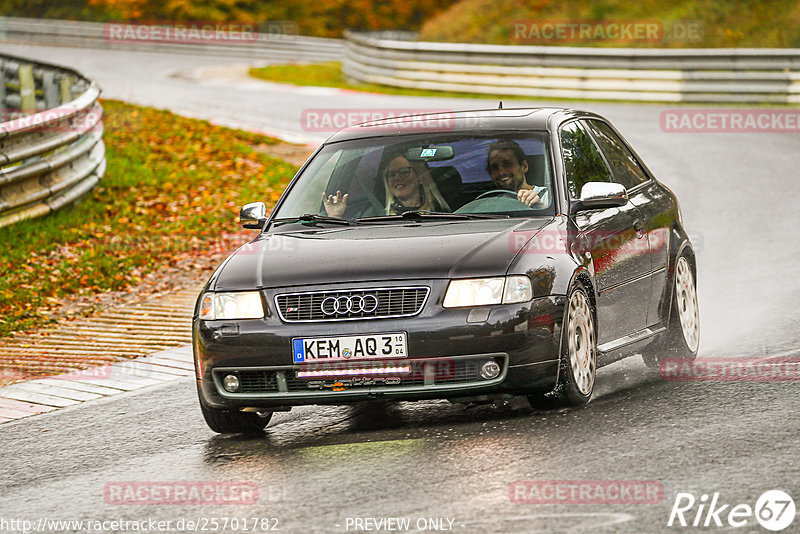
[429,189]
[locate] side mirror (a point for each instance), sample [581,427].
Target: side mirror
[596,195]
[253,215]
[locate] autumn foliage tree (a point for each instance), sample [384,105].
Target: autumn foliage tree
[313,17]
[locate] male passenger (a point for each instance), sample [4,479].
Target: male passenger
[507,166]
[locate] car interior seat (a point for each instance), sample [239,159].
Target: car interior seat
[536,171]
[448,181]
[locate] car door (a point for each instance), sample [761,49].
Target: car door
[654,204]
[618,249]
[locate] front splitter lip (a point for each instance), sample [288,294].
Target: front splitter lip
[519,331]
[361,391]
[518,381]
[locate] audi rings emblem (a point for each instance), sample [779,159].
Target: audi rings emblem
[353,304]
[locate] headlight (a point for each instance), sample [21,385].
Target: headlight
[518,289]
[239,305]
[484,291]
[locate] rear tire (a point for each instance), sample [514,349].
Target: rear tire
[682,337]
[578,362]
[234,422]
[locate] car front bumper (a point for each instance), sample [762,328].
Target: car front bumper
[445,348]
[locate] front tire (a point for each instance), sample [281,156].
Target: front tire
[682,338]
[234,422]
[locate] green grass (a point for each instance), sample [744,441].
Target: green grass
[171,191]
[330,75]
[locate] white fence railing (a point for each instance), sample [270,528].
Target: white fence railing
[280,43]
[655,75]
[51,147]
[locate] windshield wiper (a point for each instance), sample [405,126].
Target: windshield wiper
[418,215]
[314,218]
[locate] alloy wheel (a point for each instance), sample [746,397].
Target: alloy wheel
[581,343]
[686,299]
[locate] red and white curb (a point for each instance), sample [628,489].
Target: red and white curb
[46,394]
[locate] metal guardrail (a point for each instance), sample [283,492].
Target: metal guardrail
[655,75]
[267,46]
[51,147]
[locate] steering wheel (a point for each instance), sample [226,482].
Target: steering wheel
[497,193]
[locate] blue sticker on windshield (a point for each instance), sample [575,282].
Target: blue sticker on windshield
[427,153]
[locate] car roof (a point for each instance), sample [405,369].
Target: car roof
[443,121]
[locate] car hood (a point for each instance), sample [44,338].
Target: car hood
[427,250]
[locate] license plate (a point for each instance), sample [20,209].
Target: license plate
[313,349]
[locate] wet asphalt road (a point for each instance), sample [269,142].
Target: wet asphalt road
[317,467]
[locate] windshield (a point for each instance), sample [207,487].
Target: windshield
[492,173]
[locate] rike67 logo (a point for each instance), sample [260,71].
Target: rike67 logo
[774,510]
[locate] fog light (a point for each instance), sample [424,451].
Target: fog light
[490,370]
[231,383]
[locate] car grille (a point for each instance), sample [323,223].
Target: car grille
[257,382]
[423,372]
[351,304]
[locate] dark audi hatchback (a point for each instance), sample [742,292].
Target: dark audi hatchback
[469,256]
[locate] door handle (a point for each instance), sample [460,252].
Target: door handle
[639,228]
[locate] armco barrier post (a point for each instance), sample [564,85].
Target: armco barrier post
[27,89]
[65,84]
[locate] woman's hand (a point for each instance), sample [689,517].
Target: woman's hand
[335,205]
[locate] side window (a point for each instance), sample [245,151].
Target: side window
[626,169]
[582,161]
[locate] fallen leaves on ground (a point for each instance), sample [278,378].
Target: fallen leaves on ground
[169,198]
